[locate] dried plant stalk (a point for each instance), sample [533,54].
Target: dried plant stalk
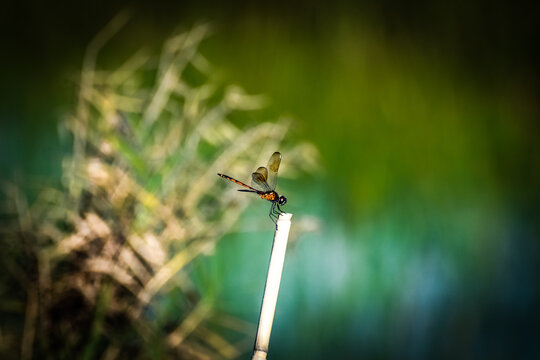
[96,257]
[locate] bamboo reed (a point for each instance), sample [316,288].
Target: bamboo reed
[271,290]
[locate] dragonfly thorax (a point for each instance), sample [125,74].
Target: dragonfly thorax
[273,197]
[269,195]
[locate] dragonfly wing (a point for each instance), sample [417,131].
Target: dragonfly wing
[258,179]
[273,167]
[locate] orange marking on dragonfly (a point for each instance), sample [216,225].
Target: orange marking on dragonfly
[236,181]
[263,182]
[271,196]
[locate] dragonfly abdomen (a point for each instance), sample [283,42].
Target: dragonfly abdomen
[236,181]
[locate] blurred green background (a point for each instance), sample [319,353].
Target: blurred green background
[426,119]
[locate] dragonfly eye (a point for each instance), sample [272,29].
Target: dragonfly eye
[282,200]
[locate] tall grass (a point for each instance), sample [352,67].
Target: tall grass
[99,267]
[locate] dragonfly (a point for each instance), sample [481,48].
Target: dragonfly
[263,183]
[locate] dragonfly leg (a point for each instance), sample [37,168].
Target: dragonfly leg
[273,215]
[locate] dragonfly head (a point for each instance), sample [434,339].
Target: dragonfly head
[282,200]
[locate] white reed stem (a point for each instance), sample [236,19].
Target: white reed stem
[271,290]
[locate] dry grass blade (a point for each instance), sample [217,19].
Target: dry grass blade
[222,346]
[190,323]
[167,271]
[29,325]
